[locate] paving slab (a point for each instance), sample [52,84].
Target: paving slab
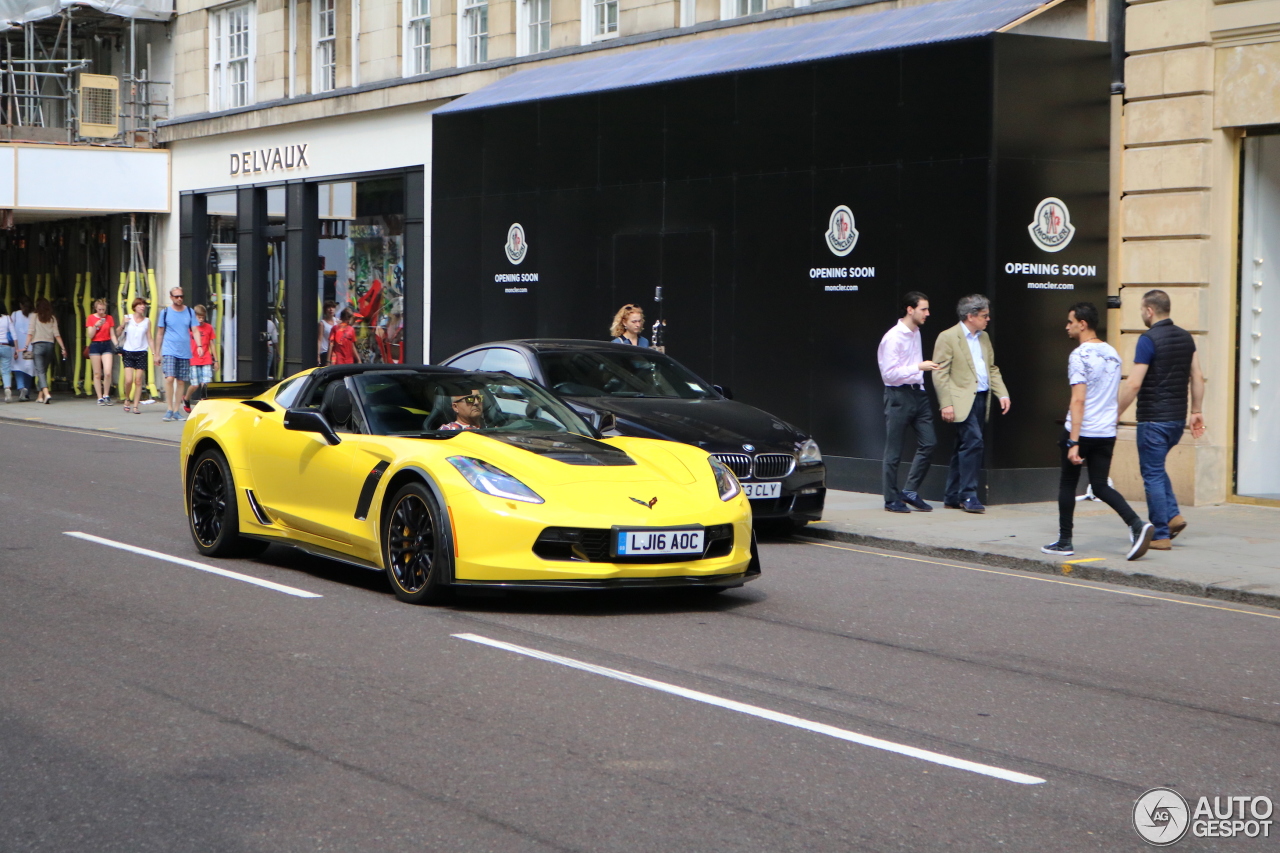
[1229,552]
[85,413]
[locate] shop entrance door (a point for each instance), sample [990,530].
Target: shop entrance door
[683,264]
[1258,394]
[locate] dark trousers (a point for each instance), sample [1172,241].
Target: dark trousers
[966,462]
[906,406]
[1096,453]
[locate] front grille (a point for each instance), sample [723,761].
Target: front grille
[765,466]
[591,545]
[774,466]
[739,463]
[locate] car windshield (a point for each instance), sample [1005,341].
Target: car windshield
[621,374]
[402,402]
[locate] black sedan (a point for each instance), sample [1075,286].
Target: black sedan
[652,395]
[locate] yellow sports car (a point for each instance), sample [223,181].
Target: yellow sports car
[452,479]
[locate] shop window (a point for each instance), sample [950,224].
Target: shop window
[600,18]
[417,50]
[362,262]
[475,32]
[276,315]
[231,47]
[326,45]
[533,26]
[220,281]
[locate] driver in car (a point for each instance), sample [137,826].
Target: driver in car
[469,410]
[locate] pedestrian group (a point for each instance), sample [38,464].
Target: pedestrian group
[966,380]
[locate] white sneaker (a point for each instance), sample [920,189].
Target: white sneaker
[8,395]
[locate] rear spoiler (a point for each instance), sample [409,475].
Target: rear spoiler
[233,390]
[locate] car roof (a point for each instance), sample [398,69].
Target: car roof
[355,369]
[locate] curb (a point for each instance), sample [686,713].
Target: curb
[91,431]
[1102,574]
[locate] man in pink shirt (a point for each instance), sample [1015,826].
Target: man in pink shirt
[906,403]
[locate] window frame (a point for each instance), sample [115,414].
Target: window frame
[318,41]
[729,9]
[469,50]
[524,28]
[589,11]
[410,56]
[220,82]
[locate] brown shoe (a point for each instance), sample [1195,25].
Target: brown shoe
[1177,524]
[1161,545]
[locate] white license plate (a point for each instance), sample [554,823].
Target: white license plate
[635,543]
[756,491]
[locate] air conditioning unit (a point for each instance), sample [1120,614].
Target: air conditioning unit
[99,106]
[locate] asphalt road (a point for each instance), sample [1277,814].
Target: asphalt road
[146,705]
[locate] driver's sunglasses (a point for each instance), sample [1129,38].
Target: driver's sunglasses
[471,399]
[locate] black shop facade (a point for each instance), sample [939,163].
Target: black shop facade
[784,211]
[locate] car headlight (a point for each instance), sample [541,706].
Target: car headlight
[807,453]
[725,481]
[493,480]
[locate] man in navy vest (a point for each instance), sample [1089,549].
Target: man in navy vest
[1164,364]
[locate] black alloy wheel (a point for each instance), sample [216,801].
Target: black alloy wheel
[414,547]
[212,510]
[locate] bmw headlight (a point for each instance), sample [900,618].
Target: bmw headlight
[492,480]
[725,481]
[807,452]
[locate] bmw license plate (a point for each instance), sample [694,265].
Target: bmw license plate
[651,542]
[756,491]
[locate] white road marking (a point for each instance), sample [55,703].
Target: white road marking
[192,564]
[764,713]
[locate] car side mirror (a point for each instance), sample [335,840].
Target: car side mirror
[309,420]
[723,391]
[608,423]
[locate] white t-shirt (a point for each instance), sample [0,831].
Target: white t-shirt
[135,335]
[1096,365]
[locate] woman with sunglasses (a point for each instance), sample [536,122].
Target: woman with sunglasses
[628,323]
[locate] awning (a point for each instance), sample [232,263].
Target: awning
[14,13]
[946,20]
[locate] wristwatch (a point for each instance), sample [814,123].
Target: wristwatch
[1071,444]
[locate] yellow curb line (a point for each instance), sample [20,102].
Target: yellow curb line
[1031,577]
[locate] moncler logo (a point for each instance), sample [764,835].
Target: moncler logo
[841,235]
[1051,228]
[517,246]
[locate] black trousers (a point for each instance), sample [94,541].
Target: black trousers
[906,406]
[966,462]
[1096,453]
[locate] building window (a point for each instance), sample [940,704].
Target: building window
[688,12]
[600,18]
[475,32]
[742,8]
[231,55]
[417,50]
[533,26]
[326,52]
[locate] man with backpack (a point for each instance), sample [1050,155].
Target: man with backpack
[173,351]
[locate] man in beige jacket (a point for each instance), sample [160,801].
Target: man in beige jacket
[965,381]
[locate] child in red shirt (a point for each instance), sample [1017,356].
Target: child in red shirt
[342,340]
[203,359]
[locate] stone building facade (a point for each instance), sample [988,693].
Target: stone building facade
[1201,100]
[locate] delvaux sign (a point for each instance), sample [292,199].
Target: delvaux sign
[279,159]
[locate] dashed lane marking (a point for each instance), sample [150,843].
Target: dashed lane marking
[764,713]
[192,564]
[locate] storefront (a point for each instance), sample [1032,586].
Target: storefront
[784,207]
[275,223]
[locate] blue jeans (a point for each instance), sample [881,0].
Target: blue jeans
[966,462]
[1155,440]
[6,365]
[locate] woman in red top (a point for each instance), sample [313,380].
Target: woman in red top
[102,348]
[342,340]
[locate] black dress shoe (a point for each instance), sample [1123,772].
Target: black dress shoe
[972,505]
[912,499]
[895,506]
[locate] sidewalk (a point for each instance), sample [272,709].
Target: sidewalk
[1229,552]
